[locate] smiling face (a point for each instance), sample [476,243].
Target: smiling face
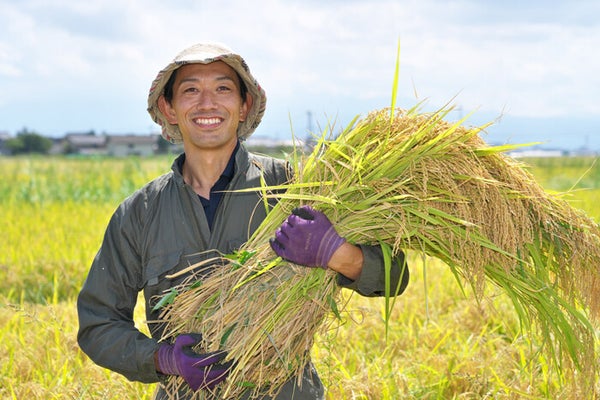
[206,105]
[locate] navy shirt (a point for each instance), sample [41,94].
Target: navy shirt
[216,192]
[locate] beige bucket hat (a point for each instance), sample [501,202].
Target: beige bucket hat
[206,53]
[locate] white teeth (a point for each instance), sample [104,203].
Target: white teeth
[207,121]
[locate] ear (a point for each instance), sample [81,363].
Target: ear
[167,110]
[246,107]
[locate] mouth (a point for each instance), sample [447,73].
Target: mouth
[212,121]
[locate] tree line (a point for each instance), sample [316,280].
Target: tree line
[28,142]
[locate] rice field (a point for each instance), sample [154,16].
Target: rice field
[441,344]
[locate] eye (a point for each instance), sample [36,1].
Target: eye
[224,88]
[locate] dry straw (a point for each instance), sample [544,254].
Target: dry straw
[405,180]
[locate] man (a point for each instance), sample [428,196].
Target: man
[208,100]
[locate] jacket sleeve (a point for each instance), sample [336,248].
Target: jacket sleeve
[372,280]
[105,306]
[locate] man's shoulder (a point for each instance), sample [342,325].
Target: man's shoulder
[265,159]
[151,190]
[276,170]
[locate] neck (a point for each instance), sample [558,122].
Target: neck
[202,170]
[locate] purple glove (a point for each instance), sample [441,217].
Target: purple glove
[199,370]
[307,238]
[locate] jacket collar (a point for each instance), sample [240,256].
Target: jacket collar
[242,161]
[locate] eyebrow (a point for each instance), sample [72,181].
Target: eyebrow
[218,78]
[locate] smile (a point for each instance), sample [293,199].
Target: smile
[207,121]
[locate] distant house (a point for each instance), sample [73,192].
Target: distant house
[85,144]
[131,145]
[537,153]
[269,142]
[112,145]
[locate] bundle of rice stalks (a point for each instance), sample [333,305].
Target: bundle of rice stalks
[404,180]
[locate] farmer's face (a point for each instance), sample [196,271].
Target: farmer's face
[206,105]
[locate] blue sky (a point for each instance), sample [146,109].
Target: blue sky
[530,66]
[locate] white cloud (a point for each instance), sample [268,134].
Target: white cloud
[529,58]
[532,68]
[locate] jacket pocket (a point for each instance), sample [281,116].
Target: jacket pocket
[161,265]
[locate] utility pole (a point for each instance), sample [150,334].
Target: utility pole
[310,141]
[309,128]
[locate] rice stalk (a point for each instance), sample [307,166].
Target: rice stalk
[411,182]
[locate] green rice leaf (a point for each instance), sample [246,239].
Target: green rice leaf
[166,299]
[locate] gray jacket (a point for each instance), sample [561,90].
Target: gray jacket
[161,229]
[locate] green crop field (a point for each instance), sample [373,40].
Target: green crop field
[441,344]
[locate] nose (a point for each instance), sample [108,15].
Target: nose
[205,100]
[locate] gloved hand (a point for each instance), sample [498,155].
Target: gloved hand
[306,237]
[198,370]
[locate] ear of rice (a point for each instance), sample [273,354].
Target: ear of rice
[405,180]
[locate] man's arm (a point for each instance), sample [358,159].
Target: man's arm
[308,238]
[372,279]
[347,260]
[105,306]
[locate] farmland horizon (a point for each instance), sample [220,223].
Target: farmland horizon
[574,134]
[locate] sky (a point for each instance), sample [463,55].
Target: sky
[532,68]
